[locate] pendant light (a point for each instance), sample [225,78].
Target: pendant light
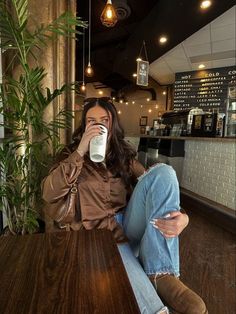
[109,16]
[89,69]
[82,87]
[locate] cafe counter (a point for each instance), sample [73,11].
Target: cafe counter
[132,137]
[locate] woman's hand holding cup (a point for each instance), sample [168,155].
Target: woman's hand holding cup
[90,131]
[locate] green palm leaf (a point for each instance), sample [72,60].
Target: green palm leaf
[21,7]
[24,154]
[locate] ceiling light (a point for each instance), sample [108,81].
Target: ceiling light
[89,70]
[109,16]
[134,74]
[205,4]
[138,59]
[201,66]
[119,112]
[100,92]
[150,110]
[163,39]
[148,99]
[133,102]
[164,93]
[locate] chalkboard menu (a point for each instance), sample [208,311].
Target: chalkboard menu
[205,89]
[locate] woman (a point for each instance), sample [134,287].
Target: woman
[148,215]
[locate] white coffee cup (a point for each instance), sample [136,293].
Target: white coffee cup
[97,146]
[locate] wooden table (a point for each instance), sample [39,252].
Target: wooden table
[64,272]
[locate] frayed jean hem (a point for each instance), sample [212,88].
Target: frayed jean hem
[175,273]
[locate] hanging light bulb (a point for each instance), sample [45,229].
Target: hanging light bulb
[109,16]
[89,71]
[83,87]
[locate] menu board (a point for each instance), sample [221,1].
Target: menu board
[205,89]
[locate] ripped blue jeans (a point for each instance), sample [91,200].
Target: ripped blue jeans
[155,195]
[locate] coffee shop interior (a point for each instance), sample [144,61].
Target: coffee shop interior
[169,66]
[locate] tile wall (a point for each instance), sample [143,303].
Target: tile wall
[209,170]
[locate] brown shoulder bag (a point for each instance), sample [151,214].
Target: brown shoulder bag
[66,212]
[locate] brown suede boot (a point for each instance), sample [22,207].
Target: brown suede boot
[177,296]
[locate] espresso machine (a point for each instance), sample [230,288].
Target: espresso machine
[179,123]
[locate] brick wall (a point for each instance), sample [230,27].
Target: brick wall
[209,170]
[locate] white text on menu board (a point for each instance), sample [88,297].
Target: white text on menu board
[204,89]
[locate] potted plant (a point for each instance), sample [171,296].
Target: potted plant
[30,142]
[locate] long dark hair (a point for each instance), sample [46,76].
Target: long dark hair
[120,153]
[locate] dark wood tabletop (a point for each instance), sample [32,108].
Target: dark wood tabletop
[64,272]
